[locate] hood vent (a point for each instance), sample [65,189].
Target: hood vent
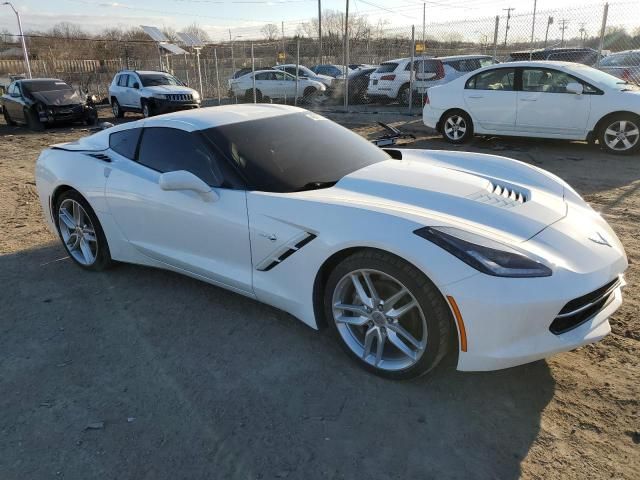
[500,196]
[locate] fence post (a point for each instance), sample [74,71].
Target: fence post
[253,73]
[605,14]
[411,71]
[495,37]
[346,58]
[295,100]
[533,29]
[215,56]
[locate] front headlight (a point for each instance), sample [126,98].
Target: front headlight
[196,95]
[483,254]
[160,96]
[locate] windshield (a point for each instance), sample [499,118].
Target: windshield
[293,152]
[621,60]
[45,86]
[386,67]
[601,77]
[156,79]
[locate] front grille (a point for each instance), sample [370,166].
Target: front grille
[579,310]
[179,97]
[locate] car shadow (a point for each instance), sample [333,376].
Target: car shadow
[142,373]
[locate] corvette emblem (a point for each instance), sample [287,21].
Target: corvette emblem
[599,239]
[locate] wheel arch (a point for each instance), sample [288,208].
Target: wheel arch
[334,259]
[451,110]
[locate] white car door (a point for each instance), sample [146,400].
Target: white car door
[287,84]
[180,228]
[490,97]
[545,106]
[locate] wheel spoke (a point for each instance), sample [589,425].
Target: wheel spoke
[350,308]
[458,120]
[72,241]
[633,133]
[400,331]
[355,321]
[89,235]
[86,251]
[393,299]
[77,215]
[396,313]
[380,337]
[611,132]
[67,219]
[360,291]
[368,342]
[375,298]
[397,342]
[627,143]
[623,125]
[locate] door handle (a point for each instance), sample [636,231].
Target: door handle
[528,99]
[476,96]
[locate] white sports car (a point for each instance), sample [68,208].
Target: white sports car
[405,254]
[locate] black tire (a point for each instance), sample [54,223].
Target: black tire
[403,95]
[116,109]
[308,94]
[248,96]
[7,118]
[102,255]
[92,118]
[456,127]
[147,108]
[33,122]
[614,144]
[436,312]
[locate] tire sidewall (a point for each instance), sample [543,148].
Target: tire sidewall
[103,255]
[116,109]
[33,122]
[435,310]
[468,134]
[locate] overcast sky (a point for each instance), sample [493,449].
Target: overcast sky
[246,17]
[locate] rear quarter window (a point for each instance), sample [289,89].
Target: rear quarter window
[387,67]
[125,142]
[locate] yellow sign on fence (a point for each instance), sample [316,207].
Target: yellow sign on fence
[281,56]
[420,47]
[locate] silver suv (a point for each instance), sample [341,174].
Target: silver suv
[149,92]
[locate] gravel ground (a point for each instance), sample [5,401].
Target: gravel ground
[143,374]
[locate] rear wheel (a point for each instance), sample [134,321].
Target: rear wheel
[403,95]
[80,232]
[7,118]
[248,96]
[456,127]
[308,94]
[621,134]
[387,315]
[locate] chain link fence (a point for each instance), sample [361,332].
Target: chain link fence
[387,69]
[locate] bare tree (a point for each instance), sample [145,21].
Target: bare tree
[270,31]
[197,31]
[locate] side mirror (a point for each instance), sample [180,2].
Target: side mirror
[574,87]
[136,85]
[183,180]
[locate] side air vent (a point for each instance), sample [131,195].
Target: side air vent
[100,156]
[285,252]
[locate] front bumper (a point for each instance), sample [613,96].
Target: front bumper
[511,321]
[166,106]
[74,113]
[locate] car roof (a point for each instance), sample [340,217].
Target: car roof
[554,50]
[462,57]
[144,72]
[408,59]
[209,117]
[35,80]
[623,52]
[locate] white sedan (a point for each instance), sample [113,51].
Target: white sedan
[538,99]
[274,84]
[406,255]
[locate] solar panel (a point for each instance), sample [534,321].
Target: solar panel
[174,49]
[190,39]
[154,33]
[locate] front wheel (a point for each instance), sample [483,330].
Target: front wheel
[621,134]
[33,120]
[81,233]
[387,315]
[7,118]
[457,127]
[147,110]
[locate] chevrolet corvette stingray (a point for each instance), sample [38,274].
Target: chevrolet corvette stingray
[406,255]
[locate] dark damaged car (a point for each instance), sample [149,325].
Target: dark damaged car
[37,103]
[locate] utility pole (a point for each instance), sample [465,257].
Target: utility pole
[24,44]
[546,35]
[233,60]
[563,28]
[533,29]
[583,33]
[283,52]
[506,30]
[319,31]
[346,57]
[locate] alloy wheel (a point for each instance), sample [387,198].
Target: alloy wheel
[379,319]
[145,110]
[455,127]
[622,135]
[78,233]
[115,108]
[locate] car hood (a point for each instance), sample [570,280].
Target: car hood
[58,97]
[502,198]
[169,89]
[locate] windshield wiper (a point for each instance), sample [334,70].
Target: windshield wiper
[316,185]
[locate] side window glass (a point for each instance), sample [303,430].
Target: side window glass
[261,76]
[499,79]
[547,81]
[122,81]
[131,81]
[12,88]
[125,142]
[485,62]
[169,149]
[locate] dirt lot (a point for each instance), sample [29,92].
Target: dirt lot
[139,373]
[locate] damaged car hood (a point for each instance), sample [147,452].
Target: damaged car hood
[58,97]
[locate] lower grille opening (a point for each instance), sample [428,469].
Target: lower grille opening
[581,309]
